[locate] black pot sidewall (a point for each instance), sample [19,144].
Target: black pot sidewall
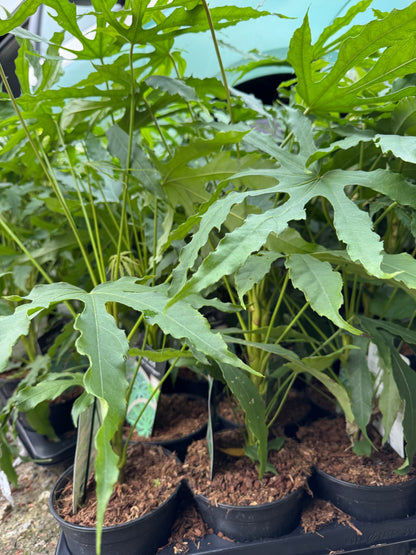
[248,523]
[366,503]
[142,536]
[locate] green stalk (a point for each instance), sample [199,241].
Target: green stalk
[132,428]
[82,206]
[156,123]
[139,362]
[21,246]
[289,380]
[33,261]
[277,307]
[123,220]
[384,213]
[44,163]
[217,52]
[154,243]
[293,322]
[99,256]
[135,327]
[327,342]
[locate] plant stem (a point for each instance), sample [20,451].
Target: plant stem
[126,175]
[132,428]
[277,306]
[154,243]
[293,322]
[217,51]
[47,170]
[82,205]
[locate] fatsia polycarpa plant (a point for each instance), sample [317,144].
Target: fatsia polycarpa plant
[118,161]
[335,118]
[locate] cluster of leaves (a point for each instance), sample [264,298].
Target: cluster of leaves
[142,192]
[337,221]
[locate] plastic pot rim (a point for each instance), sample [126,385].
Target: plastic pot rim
[65,477]
[363,487]
[248,508]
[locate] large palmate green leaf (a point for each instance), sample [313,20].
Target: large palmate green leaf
[302,183]
[330,90]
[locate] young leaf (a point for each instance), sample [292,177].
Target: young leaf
[393,35]
[253,271]
[321,286]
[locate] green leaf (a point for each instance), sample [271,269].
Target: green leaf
[405,378]
[389,400]
[329,91]
[140,165]
[19,16]
[406,334]
[253,271]
[402,147]
[106,347]
[158,355]
[290,241]
[338,24]
[78,110]
[403,266]
[338,391]
[360,384]
[30,397]
[181,321]
[38,419]
[7,457]
[324,362]
[352,225]
[22,66]
[172,86]
[252,403]
[267,347]
[404,117]
[321,286]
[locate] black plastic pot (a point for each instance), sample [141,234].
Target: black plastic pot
[367,503]
[184,385]
[41,449]
[142,536]
[181,444]
[248,523]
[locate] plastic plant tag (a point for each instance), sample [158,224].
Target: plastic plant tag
[396,438]
[145,387]
[88,425]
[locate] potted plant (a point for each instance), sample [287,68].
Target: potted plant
[317,215]
[265,211]
[113,175]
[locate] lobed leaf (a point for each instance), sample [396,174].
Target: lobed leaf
[321,286]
